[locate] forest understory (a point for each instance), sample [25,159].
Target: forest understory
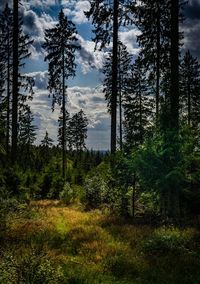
[49,242]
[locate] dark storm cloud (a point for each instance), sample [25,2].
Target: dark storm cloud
[191,28]
[29,21]
[192,10]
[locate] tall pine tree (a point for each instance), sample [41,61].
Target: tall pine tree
[138,106]
[61,44]
[123,68]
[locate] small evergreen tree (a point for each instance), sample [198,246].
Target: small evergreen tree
[27,135]
[47,142]
[78,127]
[190,89]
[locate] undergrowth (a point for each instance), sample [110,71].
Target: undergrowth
[48,242]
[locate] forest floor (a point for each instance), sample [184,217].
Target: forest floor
[51,243]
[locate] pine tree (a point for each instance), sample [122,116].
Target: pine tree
[106,19]
[190,89]
[47,142]
[6,24]
[174,64]
[61,44]
[15,85]
[153,20]
[138,107]
[123,69]
[78,128]
[25,83]
[27,134]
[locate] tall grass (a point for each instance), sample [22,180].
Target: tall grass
[51,243]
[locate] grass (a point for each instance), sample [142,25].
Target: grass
[51,243]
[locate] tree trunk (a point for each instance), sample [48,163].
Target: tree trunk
[120,108]
[174,94]
[15,81]
[133,196]
[158,63]
[114,77]
[64,119]
[173,209]
[189,103]
[140,101]
[8,97]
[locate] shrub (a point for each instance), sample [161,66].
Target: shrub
[166,240]
[96,190]
[66,195]
[34,268]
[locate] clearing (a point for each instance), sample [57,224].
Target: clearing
[51,243]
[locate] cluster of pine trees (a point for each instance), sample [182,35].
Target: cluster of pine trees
[157,96]
[17,130]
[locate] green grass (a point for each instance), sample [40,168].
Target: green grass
[51,243]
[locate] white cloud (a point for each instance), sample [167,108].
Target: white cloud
[76,11]
[88,58]
[91,100]
[129,38]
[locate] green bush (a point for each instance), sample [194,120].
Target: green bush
[33,268]
[96,190]
[67,194]
[165,241]
[8,206]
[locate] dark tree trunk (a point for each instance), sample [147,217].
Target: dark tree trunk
[189,104]
[120,112]
[133,196]
[114,77]
[15,81]
[174,94]
[120,119]
[64,119]
[140,100]
[158,63]
[173,209]
[8,97]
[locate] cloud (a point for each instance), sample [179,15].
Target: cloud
[192,10]
[91,100]
[40,78]
[191,29]
[129,39]
[88,58]
[76,11]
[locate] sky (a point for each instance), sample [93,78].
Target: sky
[85,90]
